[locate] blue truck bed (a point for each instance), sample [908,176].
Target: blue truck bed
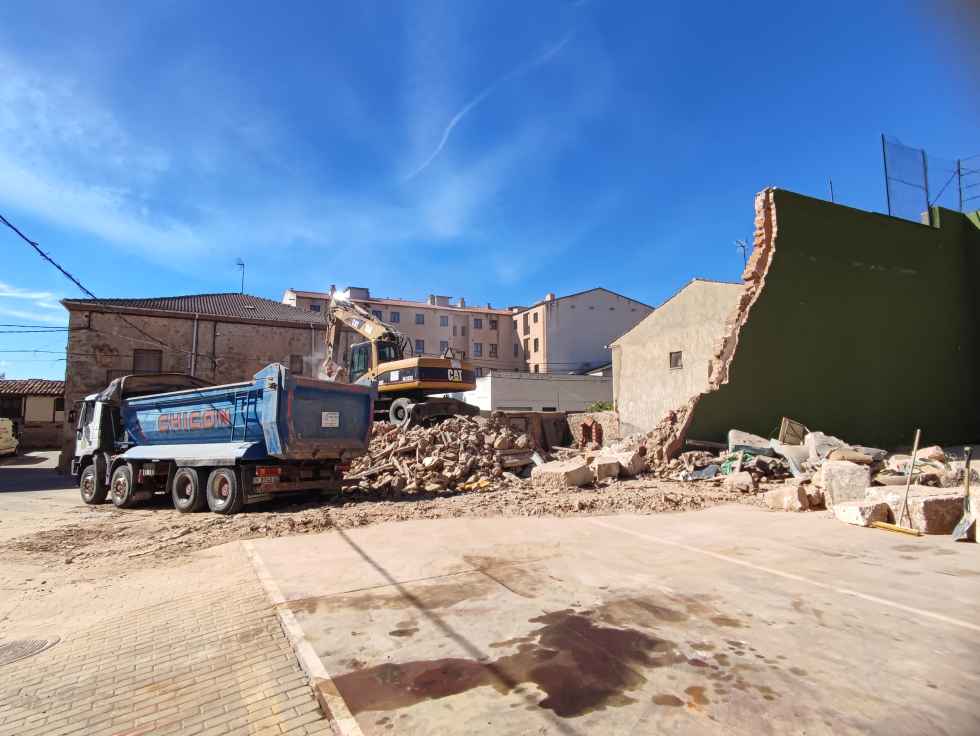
[276,415]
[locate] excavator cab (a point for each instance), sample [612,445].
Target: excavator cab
[363,362]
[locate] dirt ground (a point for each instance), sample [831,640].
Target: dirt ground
[91,536]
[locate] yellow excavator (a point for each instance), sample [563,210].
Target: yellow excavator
[407,386]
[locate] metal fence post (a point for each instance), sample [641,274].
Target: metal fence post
[884,159]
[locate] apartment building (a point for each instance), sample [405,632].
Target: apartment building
[572,334]
[486,336]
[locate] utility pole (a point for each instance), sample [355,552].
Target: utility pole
[884,160]
[741,245]
[831,189]
[241,265]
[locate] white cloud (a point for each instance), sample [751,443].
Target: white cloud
[27,304]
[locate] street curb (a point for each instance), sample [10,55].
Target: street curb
[331,702]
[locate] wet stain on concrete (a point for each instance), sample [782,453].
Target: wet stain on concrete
[697,695]
[579,665]
[798,671]
[508,573]
[404,632]
[727,621]
[670,700]
[426,596]
[907,548]
[943,552]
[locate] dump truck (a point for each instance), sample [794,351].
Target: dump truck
[410,387]
[218,447]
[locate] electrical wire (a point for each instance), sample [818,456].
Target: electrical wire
[36,246]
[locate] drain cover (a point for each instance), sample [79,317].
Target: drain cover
[12,651]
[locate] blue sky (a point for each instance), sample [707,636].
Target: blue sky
[492,150]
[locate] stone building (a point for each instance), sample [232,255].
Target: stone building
[222,338]
[664,360]
[571,334]
[483,334]
[37,408]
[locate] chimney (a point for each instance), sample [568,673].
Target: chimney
[462,302]
[431,301]
[549,297]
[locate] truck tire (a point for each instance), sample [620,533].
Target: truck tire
[225,494]
[92,486]
[187,491]
[400,413]
[121,487]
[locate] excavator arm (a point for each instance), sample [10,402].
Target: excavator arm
[343,312]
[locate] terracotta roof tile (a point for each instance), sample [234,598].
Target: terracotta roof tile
[238,306]
[32,387]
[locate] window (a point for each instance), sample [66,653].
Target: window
[536,345]
[443,346]
[360,354]
[527,327]
[493,350]
[535,367]
[676,360]
[478,372]
[493,324]
[147,361]
[477,323]
[10,407]
[535,318]
[462,330]
[296,365]
[527,349]
[420,346]
[419,318]
[59,404]
[396,317]
[478,350]
[454,330]
[314,307]
[378,314]
[517,349]
[443,320]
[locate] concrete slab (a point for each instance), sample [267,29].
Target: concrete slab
[731,620]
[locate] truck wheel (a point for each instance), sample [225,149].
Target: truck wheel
[400,413]
[121,487]
[92,485]
[187,491]
[224,492]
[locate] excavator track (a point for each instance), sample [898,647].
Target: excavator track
[407,414]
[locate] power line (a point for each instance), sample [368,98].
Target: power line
[40,327]
[36,246]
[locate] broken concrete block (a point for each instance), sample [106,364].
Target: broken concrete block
[935,452]
[842,480]
[605,467]
[819,445]
[790,497]
[631,462]
[742,482]
[739,440]
[861,513]
[852,456]
[562,474]
[795,456]
[930,510]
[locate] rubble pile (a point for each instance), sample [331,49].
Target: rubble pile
[460,453]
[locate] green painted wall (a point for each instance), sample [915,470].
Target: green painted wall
[866,328]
